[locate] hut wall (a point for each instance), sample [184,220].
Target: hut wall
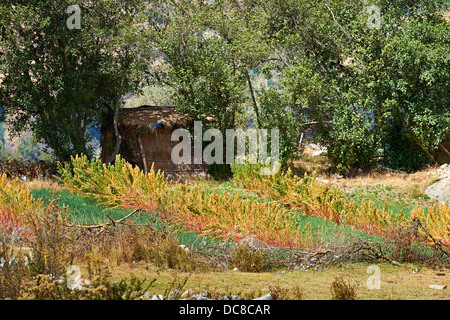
[157,146]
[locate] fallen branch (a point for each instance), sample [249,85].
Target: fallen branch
[380,255]
[320,252]
[103,226]
[437,244]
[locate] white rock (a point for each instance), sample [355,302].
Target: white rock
[182,246]
[148,295]
[266,297]
[440,190]
[173,295]
[437,286]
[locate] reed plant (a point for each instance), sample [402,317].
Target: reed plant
[187,204]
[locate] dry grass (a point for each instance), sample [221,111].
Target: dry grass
[404,182]
[396,283]
[309,164]
[343,289]
[41,183]
[412,183]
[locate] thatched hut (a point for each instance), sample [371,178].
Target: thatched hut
[146,139]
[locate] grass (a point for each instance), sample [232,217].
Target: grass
[325,230]
[396,283]
[88,211]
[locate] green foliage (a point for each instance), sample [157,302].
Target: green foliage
[323,64]
[352,141]
[337,69]
[152,95]
[402,153]
[28,150]
[59,82]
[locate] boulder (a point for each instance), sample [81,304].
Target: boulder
[440,190]
[266,297]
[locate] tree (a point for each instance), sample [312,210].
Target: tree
[367,81]
[61,80]
[28,150]
[208,51]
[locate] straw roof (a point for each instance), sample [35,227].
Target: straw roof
[149,116]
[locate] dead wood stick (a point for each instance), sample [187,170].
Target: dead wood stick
[103,225]
[445,149]
[423,148]
[141,146]
[112,220]
[437,244]
[381,255]
[320,252]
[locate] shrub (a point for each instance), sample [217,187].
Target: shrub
[342,289]
[186,204]
[248,259]
[282,293]
[402,153]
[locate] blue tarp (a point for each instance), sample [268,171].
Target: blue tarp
[158,125]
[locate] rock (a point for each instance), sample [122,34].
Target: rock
[441,178]
[440,190]
[174,295]
[148,295]
[232,297]
[201,296]
[319,153]
[188,293]
[182,246]
[266,297]
[437,286]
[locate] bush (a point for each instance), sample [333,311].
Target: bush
[342,289]
[402,153]
[247,259]
[352,143]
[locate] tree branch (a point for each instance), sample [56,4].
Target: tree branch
[104,225]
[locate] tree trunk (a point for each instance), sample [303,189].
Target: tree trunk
[118,137]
